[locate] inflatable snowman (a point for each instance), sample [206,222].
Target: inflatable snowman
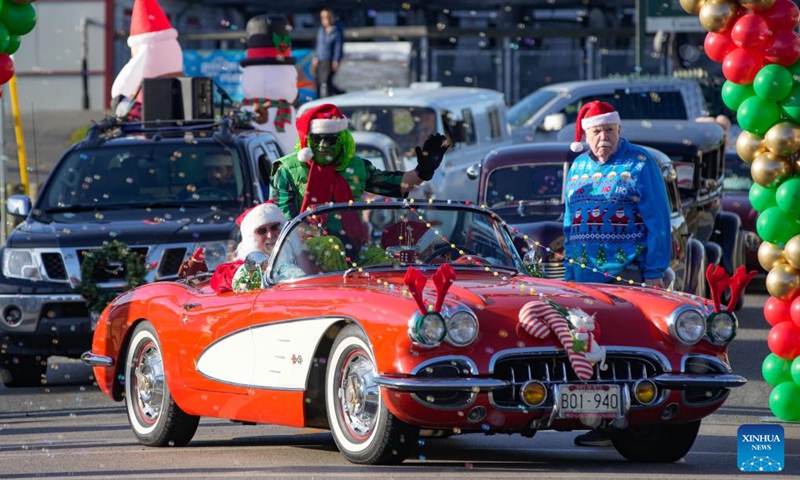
[269,78]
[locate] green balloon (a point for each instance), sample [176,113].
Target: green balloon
[790,106]
[14,44]
[762,198]
[773,82]
[776,226]
[783,401]
[20,18]
[757,115]
[794,69]
[795,370]
[787,196]
[5,37]
[733,94]
[776,370]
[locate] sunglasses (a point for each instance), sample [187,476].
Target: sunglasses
[329,138]
[273,227]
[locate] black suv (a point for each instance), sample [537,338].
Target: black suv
[153,188]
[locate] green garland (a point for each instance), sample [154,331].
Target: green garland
[116,251]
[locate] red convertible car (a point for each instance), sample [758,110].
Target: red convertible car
[347,333]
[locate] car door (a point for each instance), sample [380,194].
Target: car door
[217,346]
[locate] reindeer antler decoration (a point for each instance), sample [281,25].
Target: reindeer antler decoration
[442,279]
[719,280]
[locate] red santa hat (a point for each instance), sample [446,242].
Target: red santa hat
[593,114]
[149,23]
[325,118]
[261,214]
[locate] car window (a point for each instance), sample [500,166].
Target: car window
[534,183]
[469,125]
[408,126]
[144,174]
[522,111]
[737,175]
[653,105]
[373,155]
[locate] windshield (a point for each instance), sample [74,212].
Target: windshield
[393,236]
[408,126]
[523,110]
[523,184]
[737,175]
[149,174]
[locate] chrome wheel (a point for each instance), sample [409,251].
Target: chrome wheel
[359,395]
[148,370]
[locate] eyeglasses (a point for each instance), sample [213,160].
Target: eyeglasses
[272,227]
[329,138]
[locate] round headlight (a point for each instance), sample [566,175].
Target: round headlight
[462,328]
[428,329]
[722,327]
[690,326]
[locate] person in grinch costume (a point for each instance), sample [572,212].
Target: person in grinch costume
[324,169]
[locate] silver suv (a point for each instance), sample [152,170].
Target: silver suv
[539,116]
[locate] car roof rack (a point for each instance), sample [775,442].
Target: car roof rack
[113,126]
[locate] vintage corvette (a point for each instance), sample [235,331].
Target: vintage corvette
[347,333]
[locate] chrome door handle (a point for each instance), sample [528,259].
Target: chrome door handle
[190,306]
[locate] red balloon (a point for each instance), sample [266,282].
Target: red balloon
[794,311]
[783,15]
[741,65]
[784,49]
[6,68]
[717,45]
[784,340]
[750,31]
[777,310]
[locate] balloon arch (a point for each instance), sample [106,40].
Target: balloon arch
[756,43]
[17,18]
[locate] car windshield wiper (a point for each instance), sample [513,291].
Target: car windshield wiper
[84,208]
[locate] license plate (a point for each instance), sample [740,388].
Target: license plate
[575,401]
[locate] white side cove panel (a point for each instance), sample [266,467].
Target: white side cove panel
[282,357]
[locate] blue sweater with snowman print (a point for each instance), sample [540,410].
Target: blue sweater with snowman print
[617,213]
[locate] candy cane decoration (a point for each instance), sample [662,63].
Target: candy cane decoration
[539,318]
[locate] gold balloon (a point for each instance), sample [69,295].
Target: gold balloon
[768,169]
[749,145]
[791,252]
[770,256]
[692,7]
[783,282]
[756,5]
[717,15]
[780,139]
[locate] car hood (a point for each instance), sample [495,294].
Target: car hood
[133,227]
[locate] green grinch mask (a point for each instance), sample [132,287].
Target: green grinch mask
[327,148]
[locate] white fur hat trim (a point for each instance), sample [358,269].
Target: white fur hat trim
[333,125]
[152,37]
[261,215]
[602,119]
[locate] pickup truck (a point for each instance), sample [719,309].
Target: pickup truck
[150,186]
[541,115]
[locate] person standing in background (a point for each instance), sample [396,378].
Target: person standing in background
[327,53]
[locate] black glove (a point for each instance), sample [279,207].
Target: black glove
[430,156]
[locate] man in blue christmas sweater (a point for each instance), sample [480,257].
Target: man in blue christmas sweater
[616,222]
[617,213]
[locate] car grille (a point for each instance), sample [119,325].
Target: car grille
[553,270]
[171,262]
[107,273]
[702,365]
[54,266]
[554,368]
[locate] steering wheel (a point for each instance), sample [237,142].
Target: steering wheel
[454,253]
[215,192]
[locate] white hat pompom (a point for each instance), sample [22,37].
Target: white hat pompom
[305,154]
[576,147]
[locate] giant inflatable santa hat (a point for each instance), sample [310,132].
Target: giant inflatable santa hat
[593,114]
[155,51]
[269,78]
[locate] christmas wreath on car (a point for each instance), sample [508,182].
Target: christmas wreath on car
[116,253]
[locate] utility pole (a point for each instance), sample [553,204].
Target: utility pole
[641,34]
[84,30]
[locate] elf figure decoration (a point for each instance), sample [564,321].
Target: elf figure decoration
[155,53]
[269,78]
[541,318]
